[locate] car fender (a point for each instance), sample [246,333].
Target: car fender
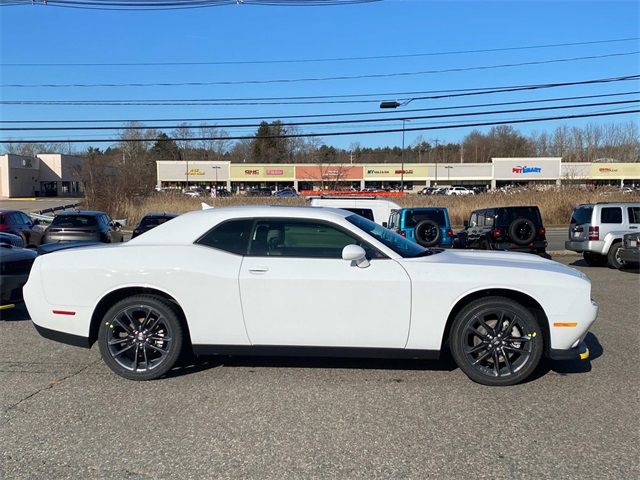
[610,238]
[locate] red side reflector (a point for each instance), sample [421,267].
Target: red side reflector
[450,233]
[402,233]
[496,232]
[63,312]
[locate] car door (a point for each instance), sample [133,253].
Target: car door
[633,213]
[472,232]
[27,226]
[297,290]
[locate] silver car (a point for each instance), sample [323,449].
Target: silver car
[83,226]
[596,231]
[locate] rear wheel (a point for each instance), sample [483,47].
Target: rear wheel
[141,337]
[613,258]
[496,341]
[594,259]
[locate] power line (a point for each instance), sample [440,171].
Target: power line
[321,98]
[335,122]
[317,79]
[318,60]
[343,133]
[147,5]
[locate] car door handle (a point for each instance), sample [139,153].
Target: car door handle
[258,269]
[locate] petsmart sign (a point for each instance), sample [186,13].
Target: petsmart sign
[526,168]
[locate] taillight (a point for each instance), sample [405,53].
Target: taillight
[4,227]
[542,231]
[402,233]
[496,232]
[594,233]
[450,233]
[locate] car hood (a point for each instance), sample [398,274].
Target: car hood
[498,259]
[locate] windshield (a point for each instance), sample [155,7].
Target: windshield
[74,221]
[395,242]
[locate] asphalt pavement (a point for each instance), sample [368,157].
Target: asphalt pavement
[65,415]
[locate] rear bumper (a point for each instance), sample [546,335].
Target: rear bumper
[631,255]
[581,352]
[62,337]
[594,246]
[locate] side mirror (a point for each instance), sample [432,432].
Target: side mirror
[36,222]
[355,254]
[385,224]
[117,225]
[465,224]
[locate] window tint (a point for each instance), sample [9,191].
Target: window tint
[582,215]
[634,214]
[232,236]
[363,212]
[489,220]
[473,221]
[508,215]
[414,217]
[149,222]
[287,238]
[24,219]
[481,220]
[395,242]
[74,221]
[611,215]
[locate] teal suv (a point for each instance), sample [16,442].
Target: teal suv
[429,226]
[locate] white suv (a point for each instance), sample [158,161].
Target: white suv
[596,231]
[459,191]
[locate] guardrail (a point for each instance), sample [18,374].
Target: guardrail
[55,209]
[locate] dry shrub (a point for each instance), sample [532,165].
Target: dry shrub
[556,205]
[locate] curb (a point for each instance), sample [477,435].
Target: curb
[562,253]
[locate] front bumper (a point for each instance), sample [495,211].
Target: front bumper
[631,255]
[593,246]
[581,352]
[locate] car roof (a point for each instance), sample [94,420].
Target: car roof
[160,214]
[186,228]
[81,212]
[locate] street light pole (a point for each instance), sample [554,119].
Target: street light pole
[402,165]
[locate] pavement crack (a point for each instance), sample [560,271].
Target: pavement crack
[49,386]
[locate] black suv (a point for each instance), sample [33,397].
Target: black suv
[504,228]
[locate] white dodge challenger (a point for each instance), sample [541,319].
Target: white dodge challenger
[307,281]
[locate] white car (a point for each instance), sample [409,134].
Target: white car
[307,281]
[459,191]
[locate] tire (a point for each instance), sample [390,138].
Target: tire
[494,352]
[427,233]
[522,231]
[156,347]
[594,259]
[613,257]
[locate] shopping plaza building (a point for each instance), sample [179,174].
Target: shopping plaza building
[59,175]
[47,174]
[414,176]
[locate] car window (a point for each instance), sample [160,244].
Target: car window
[363,212]
[395,242]
[414,217]
[148,222]
[488,219]
[582,215]
[611,215]
[24,219]
[634,214]
[231,236]
[473,221]
[481,220]
[306,239]
[74,221]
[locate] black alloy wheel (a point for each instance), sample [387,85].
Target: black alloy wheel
[613,258]
[522,231]
[141,337]
[496,341]
[427,233]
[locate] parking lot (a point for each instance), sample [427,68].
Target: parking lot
[64,414]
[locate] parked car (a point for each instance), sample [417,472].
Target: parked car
[349,287]
[429,226]
[220,192]
[505,228]
[151,220]
[596,231]
[83,225]
[286,193]
[15,265]
[259,192]
[19,223]
[11,239]
[630,251]
[459,191]
[375,209]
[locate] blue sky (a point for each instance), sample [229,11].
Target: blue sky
[32,34]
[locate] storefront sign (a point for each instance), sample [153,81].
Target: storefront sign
[629,171]
[180,171]
[328,172]
[396,171]
[255,172]
[526,168]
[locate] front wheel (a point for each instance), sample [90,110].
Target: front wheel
[496,341]
[613,258]
[141,337]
